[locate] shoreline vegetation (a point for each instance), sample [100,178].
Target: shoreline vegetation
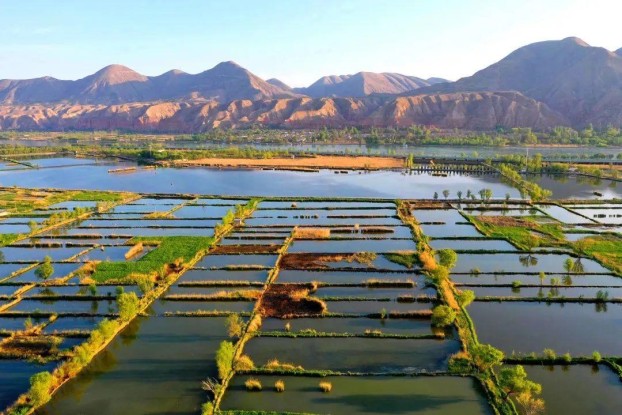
[415,135]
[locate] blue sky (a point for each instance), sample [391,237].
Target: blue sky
[296,41]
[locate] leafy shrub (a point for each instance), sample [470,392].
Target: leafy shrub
[549,354]
[45,270]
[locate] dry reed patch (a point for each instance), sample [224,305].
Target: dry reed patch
[506,221]
[135,250]
[289,300]
[27,345]
[253,385]
[279,386]
[246,249]
[427,260]
[428,204]
[319,261]
[312,233]
[326,386]
[330,162]
[275,364]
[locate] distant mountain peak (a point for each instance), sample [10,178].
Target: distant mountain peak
[175,72]
[279,84]
[576,40]
[362,84]
[117,74]
[618,52]
[228,65]
[580,81]
[435,80]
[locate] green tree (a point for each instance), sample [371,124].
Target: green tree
[445,193]
[447,257]
[33,226]
[513,381]
[486,356]
[40,384]
[568,265]
[128,304]
[224,359]
[45,270]
[465,297]
[443,316]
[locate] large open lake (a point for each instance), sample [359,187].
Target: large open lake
[72,173]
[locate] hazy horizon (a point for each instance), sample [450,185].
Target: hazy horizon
[295,42]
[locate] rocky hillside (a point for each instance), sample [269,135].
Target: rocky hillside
[580,81]
[564,82]
[460,110]
[117,84]
[365,83]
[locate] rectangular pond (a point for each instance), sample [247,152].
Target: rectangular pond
[549,263]
[546,292]
[60,270]
[374,307]
[221,261]
[15,378]
[155,367]
[441,395]
[351,325]
[531,327]
[363,245]
[598,389]
[340,277]
[354,354]
[504,279]
[194,275]
[472,244]
[443,231]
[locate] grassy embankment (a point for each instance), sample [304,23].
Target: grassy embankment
[469,360]
[230,357]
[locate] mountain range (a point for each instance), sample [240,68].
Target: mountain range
[541,85]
